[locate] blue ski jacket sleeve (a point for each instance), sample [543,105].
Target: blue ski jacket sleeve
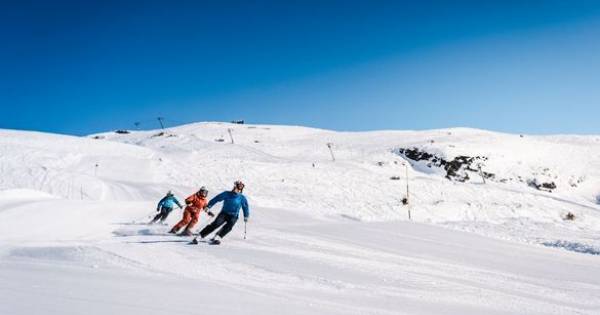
[245,207]
[177,202]
[217,198]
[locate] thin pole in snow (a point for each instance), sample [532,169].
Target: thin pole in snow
[406,176]
[407,191]
[330,145]
[230,135]
[160,120]
[481,173]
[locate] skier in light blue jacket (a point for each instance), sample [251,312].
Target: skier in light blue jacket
[165,206]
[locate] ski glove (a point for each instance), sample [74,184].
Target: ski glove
[245,219]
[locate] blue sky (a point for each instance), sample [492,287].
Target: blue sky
[88,66]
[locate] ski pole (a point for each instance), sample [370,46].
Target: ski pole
[245,223]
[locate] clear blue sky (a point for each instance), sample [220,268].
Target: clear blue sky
[80,67]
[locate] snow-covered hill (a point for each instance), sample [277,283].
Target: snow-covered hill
[329,233]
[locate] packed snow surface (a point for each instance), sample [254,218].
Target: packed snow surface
[485,229]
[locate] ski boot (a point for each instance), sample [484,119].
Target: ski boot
[214,241]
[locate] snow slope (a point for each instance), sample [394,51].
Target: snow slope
[325,237]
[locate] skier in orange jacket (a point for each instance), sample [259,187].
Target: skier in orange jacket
[195,204]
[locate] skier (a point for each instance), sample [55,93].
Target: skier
[232,202]
[165,206]
[195,203]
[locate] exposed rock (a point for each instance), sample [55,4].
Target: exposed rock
[545,186]
[456,169]
[163,134]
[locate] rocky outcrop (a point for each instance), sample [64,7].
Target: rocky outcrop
[546,186]
[456,169]
[462,168]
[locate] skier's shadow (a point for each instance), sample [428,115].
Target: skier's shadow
[155,242]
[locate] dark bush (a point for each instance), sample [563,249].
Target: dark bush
[160,134]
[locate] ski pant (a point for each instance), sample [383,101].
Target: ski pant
[162,215]
[190,218]
[221,219]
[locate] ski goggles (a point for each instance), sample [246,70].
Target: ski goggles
[202,193]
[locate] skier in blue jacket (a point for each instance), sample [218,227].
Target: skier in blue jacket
[232,202]
[165,206]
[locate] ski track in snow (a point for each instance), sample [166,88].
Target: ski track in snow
[331,238]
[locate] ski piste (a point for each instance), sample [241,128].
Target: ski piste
[471,248]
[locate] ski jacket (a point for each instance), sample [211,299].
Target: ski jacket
[232,202]
[168,202]
[196,202]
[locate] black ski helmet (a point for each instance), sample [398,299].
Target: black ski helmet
[203,191]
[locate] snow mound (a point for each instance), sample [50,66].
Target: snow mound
[27,194]
[454,175]
[341,222]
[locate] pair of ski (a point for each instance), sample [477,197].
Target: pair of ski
[214,240]
[211,241]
